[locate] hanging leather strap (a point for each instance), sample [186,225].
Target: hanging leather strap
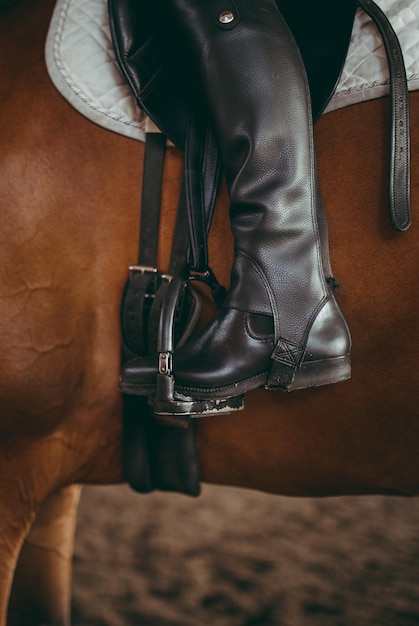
[155,456]
[154,152]
[399,184]
[144,279]
[161,456]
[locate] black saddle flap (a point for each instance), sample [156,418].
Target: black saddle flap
[155,61]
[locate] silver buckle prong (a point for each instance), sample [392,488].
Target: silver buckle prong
[144,269]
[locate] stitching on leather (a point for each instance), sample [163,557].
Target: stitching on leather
[225,387]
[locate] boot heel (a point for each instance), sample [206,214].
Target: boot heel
[324,372]
[309,374]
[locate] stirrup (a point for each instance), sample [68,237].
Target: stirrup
[142,300]
[167,401]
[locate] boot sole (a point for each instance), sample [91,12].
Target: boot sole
[309,374]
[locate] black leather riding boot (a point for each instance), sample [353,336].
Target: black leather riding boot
[280,326]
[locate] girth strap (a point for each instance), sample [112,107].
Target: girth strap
[399,184]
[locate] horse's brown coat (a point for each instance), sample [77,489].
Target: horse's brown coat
[69,194]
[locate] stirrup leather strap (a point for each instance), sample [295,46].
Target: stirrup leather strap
[399,183]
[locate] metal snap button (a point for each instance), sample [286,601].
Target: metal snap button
[226,17]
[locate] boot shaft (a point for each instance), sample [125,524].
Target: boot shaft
[255,83]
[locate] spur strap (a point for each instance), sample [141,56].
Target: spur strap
[399,184]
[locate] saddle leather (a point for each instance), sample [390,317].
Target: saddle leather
[156,61]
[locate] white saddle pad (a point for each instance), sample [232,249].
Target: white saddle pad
[82,65]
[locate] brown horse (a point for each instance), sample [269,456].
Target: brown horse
[69,195]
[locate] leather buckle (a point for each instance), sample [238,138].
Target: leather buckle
[140,292]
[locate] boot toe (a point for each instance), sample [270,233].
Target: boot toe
[138,376]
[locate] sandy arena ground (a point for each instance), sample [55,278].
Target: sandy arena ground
[240,558]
